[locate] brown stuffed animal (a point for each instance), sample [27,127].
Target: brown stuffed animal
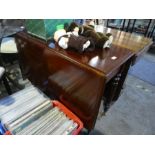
[73,40]
[100,40]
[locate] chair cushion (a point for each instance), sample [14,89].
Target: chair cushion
[8,45]
[2,70]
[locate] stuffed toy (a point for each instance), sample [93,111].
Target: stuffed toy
[73,40]
[101,40]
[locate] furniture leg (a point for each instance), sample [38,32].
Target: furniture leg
[110,92]
[123,75]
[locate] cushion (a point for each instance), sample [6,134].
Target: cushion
[8,45]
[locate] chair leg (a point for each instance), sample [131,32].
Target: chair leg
[6,84]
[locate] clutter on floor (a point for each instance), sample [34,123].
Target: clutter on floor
[30,112]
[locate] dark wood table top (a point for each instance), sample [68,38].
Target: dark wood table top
[103,61]
[135,43]
[131,41]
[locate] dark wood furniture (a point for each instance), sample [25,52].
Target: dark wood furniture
[80,81]
[136,43]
